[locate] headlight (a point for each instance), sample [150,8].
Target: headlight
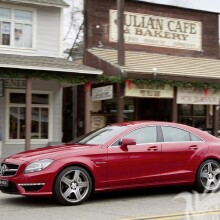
[38,165]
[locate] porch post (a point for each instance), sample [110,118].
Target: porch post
[121,60]
[74,111]
[215,120]
[120,102]
[174,116]
[121,40]
[87,104]
[28,114]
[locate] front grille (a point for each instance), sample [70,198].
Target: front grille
[11,188]
[7,169]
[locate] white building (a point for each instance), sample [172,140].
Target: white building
[31,54]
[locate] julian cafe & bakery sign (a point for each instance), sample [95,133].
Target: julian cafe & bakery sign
[158,31]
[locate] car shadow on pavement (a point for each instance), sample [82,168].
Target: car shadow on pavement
[29,201]
[95,197]
[139,193]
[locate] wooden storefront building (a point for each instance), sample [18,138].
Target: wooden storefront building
[162,65]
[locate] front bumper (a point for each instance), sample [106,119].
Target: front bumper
[32,184]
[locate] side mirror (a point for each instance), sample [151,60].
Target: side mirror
[128,141]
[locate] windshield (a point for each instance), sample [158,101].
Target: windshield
[100,136]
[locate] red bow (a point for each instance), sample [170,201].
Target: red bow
[206,91]
[129,83]
[87,86]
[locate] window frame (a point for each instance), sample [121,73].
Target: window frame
[119,139]
[191,114]
[50,116]
[13,21]
[201,140]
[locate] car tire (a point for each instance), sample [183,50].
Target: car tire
[72,186]
[208,176]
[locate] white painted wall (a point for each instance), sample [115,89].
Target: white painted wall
[48,31]
[55,121]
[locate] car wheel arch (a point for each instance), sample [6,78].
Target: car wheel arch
[212,159]
[77,165]
[205,159]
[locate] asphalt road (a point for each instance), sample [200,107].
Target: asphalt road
[158,203]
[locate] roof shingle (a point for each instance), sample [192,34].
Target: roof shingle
[56,3]
[44,63]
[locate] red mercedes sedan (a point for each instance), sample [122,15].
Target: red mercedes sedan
[119,156]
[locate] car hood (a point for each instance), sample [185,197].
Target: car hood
[51,152]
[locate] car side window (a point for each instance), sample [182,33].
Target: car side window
[141,135]
[194,137]
[171,134]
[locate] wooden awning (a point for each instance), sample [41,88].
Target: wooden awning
[145,65]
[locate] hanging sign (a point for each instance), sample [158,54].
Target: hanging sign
[102,93]
[97,122]
[198,96]
[149,91]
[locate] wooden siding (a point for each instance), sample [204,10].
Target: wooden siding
[97,13]
[48,31]
[141,65]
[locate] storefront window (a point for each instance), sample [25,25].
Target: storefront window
[109,110]
[16,27]
[40,116]
[193,115]
[104,112]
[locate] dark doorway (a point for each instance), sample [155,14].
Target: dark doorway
[67,115]
[73,112]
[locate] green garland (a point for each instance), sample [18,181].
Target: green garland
[177,83]
[46,75]
[105,79]
[94,79]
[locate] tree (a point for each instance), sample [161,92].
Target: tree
[73,29]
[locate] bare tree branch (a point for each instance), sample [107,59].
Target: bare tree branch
[77,36]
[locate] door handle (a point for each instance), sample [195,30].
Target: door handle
[193,147]
[153,148]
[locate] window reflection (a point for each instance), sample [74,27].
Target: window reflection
[23,35]
[17,123]
[17,98]
[5,26]
[144,135]
[171,134]
[36,98]
[39,123]
[40,99]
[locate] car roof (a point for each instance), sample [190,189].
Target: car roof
[145,122]
[194,130]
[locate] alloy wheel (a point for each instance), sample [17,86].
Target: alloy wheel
[73,185]
[210,176]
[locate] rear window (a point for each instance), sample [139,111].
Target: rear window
[171,134]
